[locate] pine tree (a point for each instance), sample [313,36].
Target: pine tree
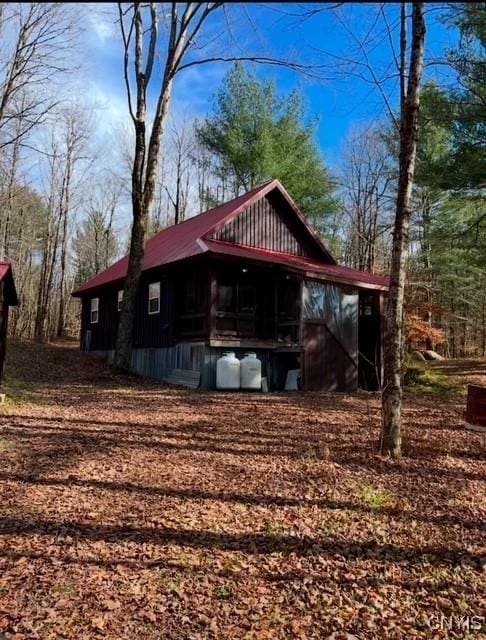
[255,136]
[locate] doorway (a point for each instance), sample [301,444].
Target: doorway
[369,341]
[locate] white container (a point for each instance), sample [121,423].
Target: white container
[228,372]
[291,382]
[251,372]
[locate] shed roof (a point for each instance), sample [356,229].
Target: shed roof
[193,237]
[309,266]
[6,276]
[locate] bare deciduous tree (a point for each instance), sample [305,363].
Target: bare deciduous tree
[184,26]
[34,36]
[181,144]
[49,246]
[392,389]
[139,24]
[65,155]
[366,178]
[75,138]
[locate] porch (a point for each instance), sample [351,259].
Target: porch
[330,331]
[239,305]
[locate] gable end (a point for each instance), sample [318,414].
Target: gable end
[270,223]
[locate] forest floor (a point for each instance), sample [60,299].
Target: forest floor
[132,510]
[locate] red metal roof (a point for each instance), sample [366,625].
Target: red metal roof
[7,277]
[334,272]
[179,241]
[4,269]
[190,238]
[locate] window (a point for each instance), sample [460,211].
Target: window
[237,294]
[236,305]
[226,296]
[154,298]
[288,300]
[95,303]
[367,305]
[246,298]
[120,300]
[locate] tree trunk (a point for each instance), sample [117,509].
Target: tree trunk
[61,319]
[181,36]
[45,280]
[142,198]
[483,328]
[392,388]
[130,290]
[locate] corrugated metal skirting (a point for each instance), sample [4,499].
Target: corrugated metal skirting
[156,362]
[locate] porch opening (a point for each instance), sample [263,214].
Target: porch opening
[369,342]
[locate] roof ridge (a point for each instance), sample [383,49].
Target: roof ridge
[170,239]
[203,213]
[178,242]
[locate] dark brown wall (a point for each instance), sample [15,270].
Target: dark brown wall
[154,330]
[269,223]
[191,284]
[103,332]
[327,366]
[3,331]
[150,330]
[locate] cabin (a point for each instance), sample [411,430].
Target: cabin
[248,275]
[8,298]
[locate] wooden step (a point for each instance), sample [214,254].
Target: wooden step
[183,377]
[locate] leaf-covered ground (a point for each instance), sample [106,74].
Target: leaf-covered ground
[132,510]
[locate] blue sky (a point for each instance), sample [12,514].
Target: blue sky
[340,98]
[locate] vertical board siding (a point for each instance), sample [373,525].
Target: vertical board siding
[156,363]
[103,332]
[369,340]
[330,336]
[269,224]
[3,329]
[154,330]
[327,366]
[150,330]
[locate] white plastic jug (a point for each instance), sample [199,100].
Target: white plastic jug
[251,372]
[228,372]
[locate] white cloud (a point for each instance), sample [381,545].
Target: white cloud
[102,21]
[112,105]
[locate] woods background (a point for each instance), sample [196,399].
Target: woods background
[65,189]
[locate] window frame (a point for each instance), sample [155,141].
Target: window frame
[154,297]
[94,311]
[119,301]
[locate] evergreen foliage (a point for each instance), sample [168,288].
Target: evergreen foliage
[255,136]
[448,262]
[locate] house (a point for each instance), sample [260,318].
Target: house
[8,298]
[250,274]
